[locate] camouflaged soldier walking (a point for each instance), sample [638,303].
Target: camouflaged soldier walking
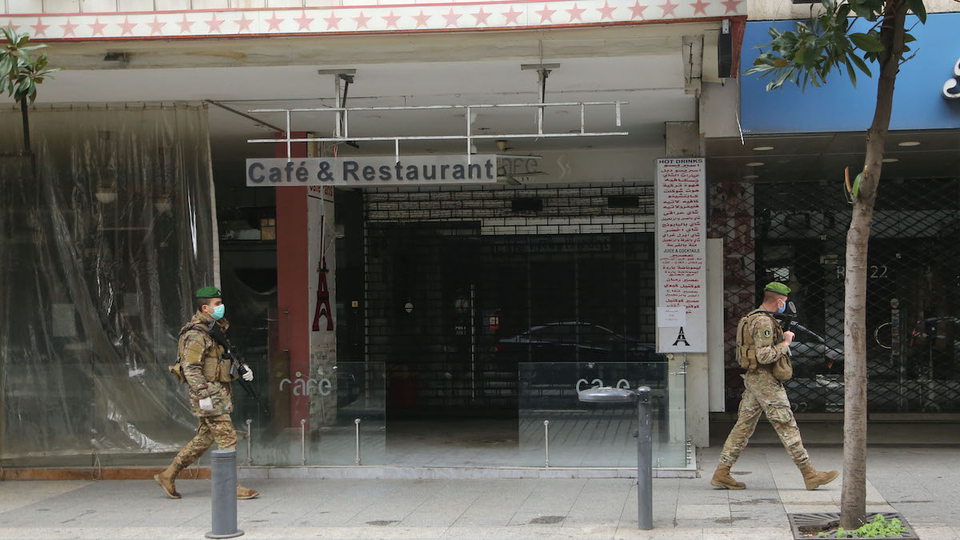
[201,365]
[763,350]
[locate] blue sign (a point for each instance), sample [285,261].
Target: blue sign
[925,96]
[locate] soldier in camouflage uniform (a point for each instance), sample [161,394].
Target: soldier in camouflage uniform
[201,365]
[761,342]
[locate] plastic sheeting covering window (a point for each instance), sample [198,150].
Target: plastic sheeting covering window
[101,249]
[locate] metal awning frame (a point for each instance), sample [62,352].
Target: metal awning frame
[343,116]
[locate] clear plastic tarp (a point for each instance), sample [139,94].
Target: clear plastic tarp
[101,247]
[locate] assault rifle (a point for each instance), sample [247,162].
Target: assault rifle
[789,315]
[787,318]
[237,368]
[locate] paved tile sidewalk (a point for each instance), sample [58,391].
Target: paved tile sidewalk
[923,484]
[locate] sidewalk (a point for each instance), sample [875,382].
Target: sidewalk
[921,483]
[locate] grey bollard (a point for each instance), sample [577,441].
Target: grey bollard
[644,460]
[644,442]
[223,473]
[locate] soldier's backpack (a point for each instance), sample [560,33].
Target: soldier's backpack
[782,369]
[177,368]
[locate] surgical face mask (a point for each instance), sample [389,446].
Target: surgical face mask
[218,312]
[781,309]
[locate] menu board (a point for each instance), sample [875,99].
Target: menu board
[681,256]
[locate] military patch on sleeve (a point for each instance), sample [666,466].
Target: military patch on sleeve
[766,333]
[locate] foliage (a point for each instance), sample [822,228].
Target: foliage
[878,528]
[823,43]
[19,72]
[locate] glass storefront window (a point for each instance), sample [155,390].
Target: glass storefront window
[597,435]
[351,391]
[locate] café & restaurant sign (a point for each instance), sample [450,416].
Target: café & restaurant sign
[373,171]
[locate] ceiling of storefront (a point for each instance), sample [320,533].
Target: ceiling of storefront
[642,65]
[824,156]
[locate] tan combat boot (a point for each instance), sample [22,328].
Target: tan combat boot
[167,478]
[722,479]
[814,478]
[244,493]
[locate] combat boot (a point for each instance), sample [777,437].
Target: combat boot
[167,478]
[814,478]
[722,479]
[244,493]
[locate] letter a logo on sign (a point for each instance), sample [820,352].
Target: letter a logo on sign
[681,337]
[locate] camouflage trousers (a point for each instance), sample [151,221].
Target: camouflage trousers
[764,394]
[212,428]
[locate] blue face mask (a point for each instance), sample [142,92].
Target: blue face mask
[218,312]
[780,310]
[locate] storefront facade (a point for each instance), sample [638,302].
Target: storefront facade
[374,316]
[420,307]
[779,207]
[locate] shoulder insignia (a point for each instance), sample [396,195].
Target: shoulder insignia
[766,333]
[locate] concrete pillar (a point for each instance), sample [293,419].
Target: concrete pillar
[683,141]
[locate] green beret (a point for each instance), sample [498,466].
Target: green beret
[209,292]
[778,288]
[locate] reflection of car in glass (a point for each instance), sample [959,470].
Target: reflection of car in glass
[933,349]
[576,342]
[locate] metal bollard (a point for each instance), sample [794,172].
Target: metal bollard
[644,442]
[644,460]
[249,443]
[223,471]
[356,422]
[546,444]
[303,442]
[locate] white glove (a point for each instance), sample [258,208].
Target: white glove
[248,374]
[206,404]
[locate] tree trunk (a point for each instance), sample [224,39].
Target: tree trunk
[854,491]
[26,125]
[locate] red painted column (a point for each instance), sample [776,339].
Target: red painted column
[293,280]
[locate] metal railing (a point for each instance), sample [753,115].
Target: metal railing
[343,118]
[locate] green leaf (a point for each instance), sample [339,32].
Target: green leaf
[861,64]
[758,69]
[866,42]
[778,82]
[851,72]
[907,38]
[765,58]
[842,13]
[918,9]
[863,11]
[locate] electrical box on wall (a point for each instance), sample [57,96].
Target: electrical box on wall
[725,50]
